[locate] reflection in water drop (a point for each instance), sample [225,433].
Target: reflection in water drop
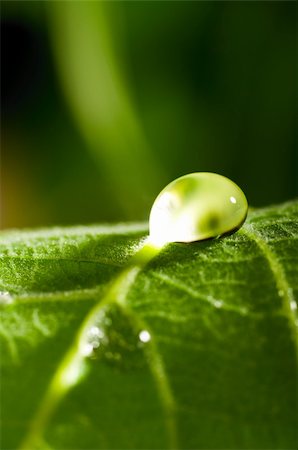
[144,336]
[5,298]
[233,200]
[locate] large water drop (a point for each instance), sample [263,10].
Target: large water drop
[197,206]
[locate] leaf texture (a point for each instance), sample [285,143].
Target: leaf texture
[218,367]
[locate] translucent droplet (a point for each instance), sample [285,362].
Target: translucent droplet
[114,339]
[144,336]
[96,332]
[87,349]
[293,305]
[197,206]
[5,298]
[218,303]
[92,341]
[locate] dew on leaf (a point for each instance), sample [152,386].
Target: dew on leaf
[114,338]
[87,349]
[218,303]
[96,332]
[95,344]
[293,305]
[197,206]
[144,336]
[92,340]
[5,298]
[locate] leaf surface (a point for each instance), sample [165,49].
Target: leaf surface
[200,353]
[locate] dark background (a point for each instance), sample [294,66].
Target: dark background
[104,103]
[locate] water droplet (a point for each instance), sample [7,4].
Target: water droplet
[281,293]
[144,336]
[218,303]
[197,206]
[92,341]
[5,298]
[87,349]
[95,344]
[293,305]
[96,332]
[115,339]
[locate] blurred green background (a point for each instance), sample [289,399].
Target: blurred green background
[104,103]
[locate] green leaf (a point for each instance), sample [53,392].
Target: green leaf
[219,370]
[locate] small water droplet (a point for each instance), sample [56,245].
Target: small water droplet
[293,305]
[114,339]
[87,349]
[144,336]
[195,207]
[214,302]
[95,344]
[92,341]
[5,298]
[96,332]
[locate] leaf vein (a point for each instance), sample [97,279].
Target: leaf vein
[284,291]
[72,362]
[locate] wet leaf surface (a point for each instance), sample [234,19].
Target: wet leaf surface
[201,352]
